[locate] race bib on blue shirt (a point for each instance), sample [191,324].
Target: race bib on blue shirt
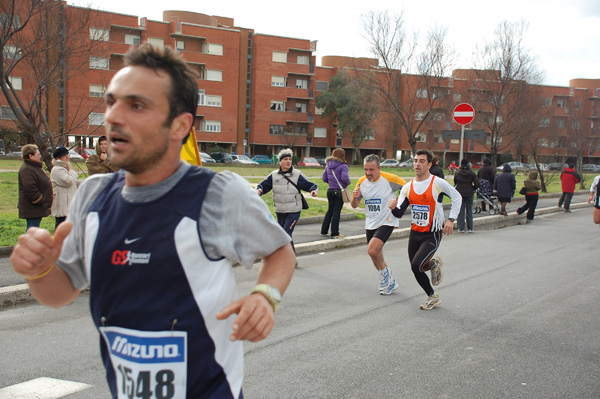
[148,364]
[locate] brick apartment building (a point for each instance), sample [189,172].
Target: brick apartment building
[257,93]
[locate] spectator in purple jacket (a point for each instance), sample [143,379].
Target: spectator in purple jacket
[336,163]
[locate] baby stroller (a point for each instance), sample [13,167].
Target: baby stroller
[484,193]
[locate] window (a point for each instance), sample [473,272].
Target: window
[575,124]
[17,83]
[156,42]
[300,107]
[318,111]
[419,115]
[457,97]
[560,123]
[320,132]
[99,34]
[7,113]
[97,90]
[277,106]
[212,126]
[214,49]
[546,102]
[303,59]
[5,20]
[422,93]
[301,84]
[132,39]
[370,135]
[421,137]
[322,86]
[561,103]
[276,130]
[279,56]
[214,101]
[544,122]
[214,75]
[96,119]
[278,81]
[180,45]
[201,97]
[98,63]
[12,52]
[577,104]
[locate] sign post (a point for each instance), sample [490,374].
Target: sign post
[463,115]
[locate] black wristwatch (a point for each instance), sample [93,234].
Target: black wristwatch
[452,220]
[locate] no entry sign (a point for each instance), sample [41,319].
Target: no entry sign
[463,114]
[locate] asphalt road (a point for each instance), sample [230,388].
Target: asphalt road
[517,320]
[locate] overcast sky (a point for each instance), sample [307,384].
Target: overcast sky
[564,35]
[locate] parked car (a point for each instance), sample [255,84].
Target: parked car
[390,163]
[478,165]
[222,157]
[543,166]
[264,159]
[308,161]
[406,164]
[590,167]
[205,158]
[242,159]
[15,154]
[557,166]
[86,152]
[321,161]
[516,167]
[74,156]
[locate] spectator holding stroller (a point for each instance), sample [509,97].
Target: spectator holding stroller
[531,187]
[466,182]
[505,184]
[487,176]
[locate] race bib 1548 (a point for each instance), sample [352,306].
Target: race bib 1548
[148,364]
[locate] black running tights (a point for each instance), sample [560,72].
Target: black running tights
[421,248]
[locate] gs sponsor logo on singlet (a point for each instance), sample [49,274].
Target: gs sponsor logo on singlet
[129,258]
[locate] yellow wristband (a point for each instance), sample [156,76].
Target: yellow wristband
[41,274]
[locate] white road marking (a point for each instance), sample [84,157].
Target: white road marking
[43,387]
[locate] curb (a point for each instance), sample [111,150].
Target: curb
[10,296]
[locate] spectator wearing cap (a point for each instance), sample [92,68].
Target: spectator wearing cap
[286,183]
[466,182]
[35,188]
[64,184]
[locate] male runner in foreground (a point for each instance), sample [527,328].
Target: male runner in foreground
[424,195]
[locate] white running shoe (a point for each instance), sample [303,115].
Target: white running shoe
[384,280]
[436,271]
[432,302]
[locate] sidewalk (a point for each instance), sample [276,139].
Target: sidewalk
[307,238]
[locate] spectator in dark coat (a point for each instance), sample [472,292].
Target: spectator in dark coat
[35,187]
[466,182]
[505,184]
[435,168]
[487,173]
[569,178]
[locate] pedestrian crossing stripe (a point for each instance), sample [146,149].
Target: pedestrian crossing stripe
[43,387]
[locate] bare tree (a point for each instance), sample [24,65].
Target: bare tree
[349,103]
[47,42]
[410,76]
[504,69]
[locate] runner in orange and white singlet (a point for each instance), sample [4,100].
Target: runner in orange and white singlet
[424,195]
